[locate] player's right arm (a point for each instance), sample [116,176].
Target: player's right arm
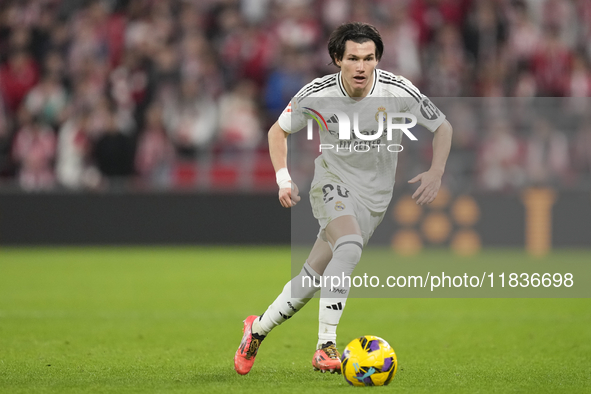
[288,191]
[291,120]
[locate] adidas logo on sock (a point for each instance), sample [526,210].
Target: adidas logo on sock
[337,307]
[285,316]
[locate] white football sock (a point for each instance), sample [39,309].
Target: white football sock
[333,297]
[296,293]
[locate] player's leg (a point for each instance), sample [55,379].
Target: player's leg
[320,256]
[296,293]
[344,234]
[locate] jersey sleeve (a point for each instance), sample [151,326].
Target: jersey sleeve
[427,113]
[292,119]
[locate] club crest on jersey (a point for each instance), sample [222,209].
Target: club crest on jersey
[339,206]
[383,110]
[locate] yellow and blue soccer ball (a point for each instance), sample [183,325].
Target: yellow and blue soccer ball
[369,361]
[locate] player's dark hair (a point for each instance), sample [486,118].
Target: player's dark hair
[353,31]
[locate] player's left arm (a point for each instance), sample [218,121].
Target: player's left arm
[431,179]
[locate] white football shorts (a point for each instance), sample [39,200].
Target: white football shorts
[330,200]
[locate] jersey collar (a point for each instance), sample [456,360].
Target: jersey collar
[344,91]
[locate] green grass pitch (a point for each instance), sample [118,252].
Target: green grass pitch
[168,320]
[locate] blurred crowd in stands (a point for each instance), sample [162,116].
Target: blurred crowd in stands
[180,93]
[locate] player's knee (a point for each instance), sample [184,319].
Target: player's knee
[348,248]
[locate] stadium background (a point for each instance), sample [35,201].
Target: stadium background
[151,115]
[138,214]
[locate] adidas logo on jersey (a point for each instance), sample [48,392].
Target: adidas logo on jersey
[333,119]
[337,307]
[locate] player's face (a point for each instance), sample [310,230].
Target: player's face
[357,65]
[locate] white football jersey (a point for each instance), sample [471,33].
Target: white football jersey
[367,167]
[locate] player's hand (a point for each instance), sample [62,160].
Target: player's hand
[430,184]
[289,197]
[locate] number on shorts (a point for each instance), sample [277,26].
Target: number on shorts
[328,188]
[325,190]
[344,194]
